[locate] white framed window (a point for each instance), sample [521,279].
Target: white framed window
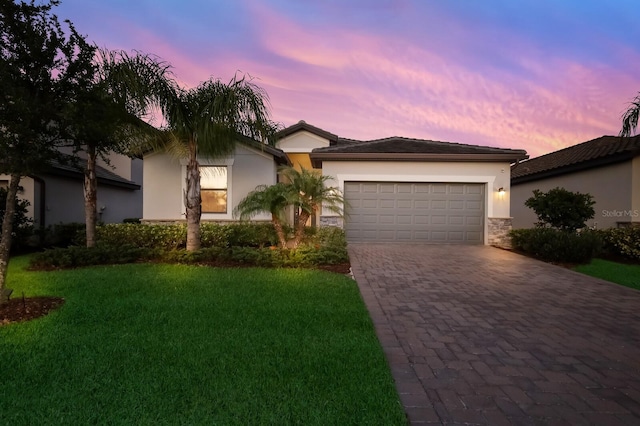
[213,189]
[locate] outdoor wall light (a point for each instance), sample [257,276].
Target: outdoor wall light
[501,191]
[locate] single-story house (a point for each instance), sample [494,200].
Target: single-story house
[608,168]
[410,190]
[224,182]
[57,195]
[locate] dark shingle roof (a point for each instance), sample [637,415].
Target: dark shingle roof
[398,145]
[593,153]
[303,125]
[406,149]
[104,175]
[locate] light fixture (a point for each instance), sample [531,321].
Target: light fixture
[501,191]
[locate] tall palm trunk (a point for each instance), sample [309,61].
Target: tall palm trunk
[192,201]
[90,197]
[5,239]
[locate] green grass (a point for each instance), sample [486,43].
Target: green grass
[620,273]
[173,344]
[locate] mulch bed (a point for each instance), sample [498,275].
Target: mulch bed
[25,309]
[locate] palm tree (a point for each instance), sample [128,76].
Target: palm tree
[206,122]
[268,199]
[106,116]
[311,193]
[630,117]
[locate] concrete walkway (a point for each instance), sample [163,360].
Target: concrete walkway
[479,335]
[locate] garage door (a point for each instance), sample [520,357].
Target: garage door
[414,212]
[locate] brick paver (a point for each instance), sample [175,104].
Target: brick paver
[479,335]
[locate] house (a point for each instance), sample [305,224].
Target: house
[224,182]
[57,195]
[608,168]
[410,190]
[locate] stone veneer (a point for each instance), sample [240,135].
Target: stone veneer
[498,229]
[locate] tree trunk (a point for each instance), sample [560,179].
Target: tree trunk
[90,197]
[193,202]
[279,231]
[5,239]
[302,222]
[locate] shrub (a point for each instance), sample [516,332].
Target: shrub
[553,245]
[123,243]
[63,235]
[162,237]
[623,242]
[562,209]
[251,235]
[77,256]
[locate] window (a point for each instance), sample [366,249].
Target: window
[213,189]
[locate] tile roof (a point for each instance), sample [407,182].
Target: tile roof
[303,125]
[593,153]
[399,145]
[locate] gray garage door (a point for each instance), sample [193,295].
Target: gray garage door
[414,212]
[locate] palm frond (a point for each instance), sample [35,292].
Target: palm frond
[630,117]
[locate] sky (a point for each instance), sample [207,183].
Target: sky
[538,75]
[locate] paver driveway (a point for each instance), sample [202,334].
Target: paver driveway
[479,335]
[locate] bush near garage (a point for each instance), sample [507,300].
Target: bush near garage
[554,245]
[622,242]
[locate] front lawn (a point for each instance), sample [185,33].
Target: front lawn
[176,344]
[620,273]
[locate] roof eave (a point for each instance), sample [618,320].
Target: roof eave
[318,157]
[79,175]
[585,165]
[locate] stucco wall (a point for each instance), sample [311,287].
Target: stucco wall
[610,186]
[164,179]
[64,202]
[27,192]
[302,142]
[162,195]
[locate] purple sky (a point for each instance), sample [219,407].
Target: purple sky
[538,75]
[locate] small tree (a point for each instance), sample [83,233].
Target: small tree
[268,199]
[561,209]
[40,67]
[311,193]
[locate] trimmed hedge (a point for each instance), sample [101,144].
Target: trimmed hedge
[553,245]
[173,237]
[624,242]
[247,244]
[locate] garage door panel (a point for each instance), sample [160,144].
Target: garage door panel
[420,219]
[439,204]
[405,204]
[403,211]
[456,204]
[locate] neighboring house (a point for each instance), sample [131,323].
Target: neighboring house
[608,168]
[224,182]
[410,190]
[57,196]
